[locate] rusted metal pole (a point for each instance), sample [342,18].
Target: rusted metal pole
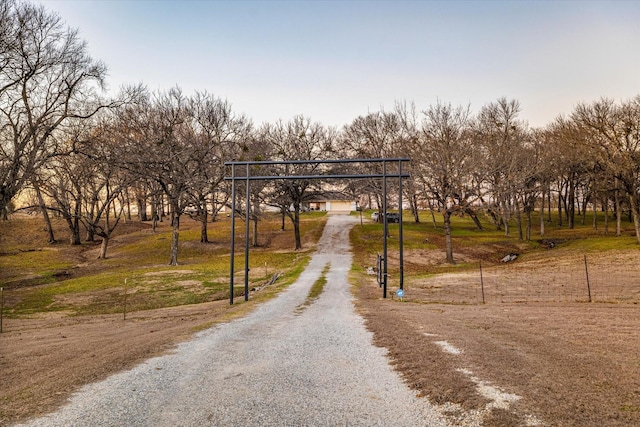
[586,269]
[124,311]
[482,282]
[1,307]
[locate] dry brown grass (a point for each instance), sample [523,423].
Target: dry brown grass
[572,364]
[48,353]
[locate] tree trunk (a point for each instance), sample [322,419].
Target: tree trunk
[103,247]
[595,212]
[505,217]
[446,214]
[519,218]
[175,220]
[75,232]
[91,235]
[542,214]
[495,217]
[74,229]
[585,202]
[296,226]
[128,202]
[474,217]
[254,238]
[433,215]
[528,233]
[161,208]
[618,212]
[606,213]
[5,199]
[635,208]
[559,208]
[282,225]
[571,204]
[414,208]
[142,210]
[45,214]
[204,217]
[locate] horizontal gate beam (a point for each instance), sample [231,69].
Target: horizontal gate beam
[353,176]
[311,162]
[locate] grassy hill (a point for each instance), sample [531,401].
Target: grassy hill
[39,277]
[42,278]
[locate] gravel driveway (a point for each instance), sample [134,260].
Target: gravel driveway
[275,367]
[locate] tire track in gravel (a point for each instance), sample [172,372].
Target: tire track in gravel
[272,367]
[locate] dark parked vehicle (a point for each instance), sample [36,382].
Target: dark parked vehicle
[393,217]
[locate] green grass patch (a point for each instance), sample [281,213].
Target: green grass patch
[140,257]
[318,286]
[33,267]
[316,289]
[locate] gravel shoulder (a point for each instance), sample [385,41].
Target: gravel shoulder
[276,366]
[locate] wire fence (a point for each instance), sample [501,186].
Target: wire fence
[580,278]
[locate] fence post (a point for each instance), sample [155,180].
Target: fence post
[124,311]
[482,282]
[1,307]
[586,269]
[379,272]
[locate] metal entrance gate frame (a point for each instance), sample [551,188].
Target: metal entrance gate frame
[248,178]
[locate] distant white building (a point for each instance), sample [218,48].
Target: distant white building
[333,202]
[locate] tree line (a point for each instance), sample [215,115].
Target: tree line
[68,149]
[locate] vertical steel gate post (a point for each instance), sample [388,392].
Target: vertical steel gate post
[233,229]
[400,237]
[385,229]
[246,242]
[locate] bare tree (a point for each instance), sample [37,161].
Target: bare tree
[444,162]
[298,139]
[104,184]
[409,137]
[46,78]
[573,160]
[261,192]
[154,144]
[614,130]
[65,185]
[376,135]
[218,135]
[179,144]
[500,135]
[40,202]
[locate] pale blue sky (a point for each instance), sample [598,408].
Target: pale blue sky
[336,60]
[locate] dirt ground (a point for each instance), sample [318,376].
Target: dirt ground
[557,365]
[501,364]
[43,361]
